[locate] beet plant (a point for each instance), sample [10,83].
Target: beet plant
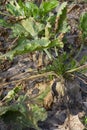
[39,28]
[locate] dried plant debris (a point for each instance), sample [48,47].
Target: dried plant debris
[73,123]
[48,101]
[57,91]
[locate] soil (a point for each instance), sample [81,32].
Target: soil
[67,112]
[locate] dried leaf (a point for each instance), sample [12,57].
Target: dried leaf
[48,101]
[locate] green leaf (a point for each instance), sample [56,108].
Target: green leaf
[22,9]
[14,107]
[25,46]
[11,94]
[17,114]
[61,8]
[3,23]
[83,24]
[32,26]
[59,65]
[23,117]
[61,16]
[85,120]
[14,8]
[32,8]
[72,64]
[83,60]
[48,6]
[39,114]
[18,30]
[64,28]
[47,27]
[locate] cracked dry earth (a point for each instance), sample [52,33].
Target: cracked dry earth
[66,113]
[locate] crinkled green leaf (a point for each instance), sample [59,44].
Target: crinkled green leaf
[22,9]
[61,15]
[48,6]
[25,46]
[61,8]
[40,35]
[18,30]
[83,24]
[32,26]
[13,107]
[17,113]
[39,114]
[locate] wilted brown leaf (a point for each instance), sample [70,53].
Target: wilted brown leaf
[73,123]
[48,101]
